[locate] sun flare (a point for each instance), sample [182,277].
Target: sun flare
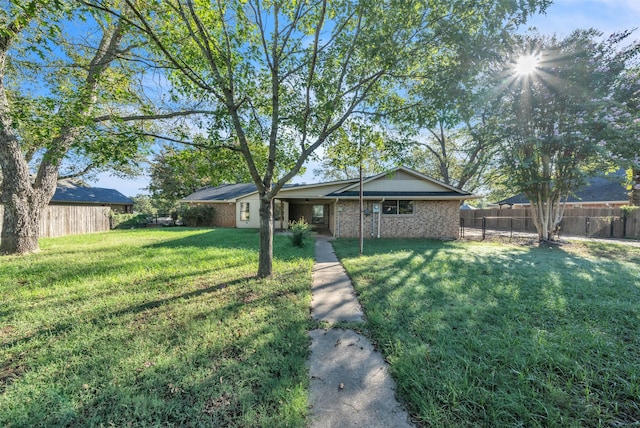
[526,65]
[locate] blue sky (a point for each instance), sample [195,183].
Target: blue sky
[561,18]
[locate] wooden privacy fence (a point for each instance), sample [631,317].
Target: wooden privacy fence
[61,220]
[589,222]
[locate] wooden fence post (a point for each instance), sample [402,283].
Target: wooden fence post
[587,227]
[484,227]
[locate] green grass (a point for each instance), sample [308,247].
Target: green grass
[481,334]
[154,328]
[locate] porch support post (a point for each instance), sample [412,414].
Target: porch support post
[281,215]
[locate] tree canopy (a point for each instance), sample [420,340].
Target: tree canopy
[74,98]
[55,96]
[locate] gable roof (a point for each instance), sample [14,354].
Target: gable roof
[402,183]
[429,188]
[597,190]
[66,193]
[410,172]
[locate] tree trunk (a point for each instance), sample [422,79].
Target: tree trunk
[546,213]
[20,228]
[265,261]
[22,205]
[23,202]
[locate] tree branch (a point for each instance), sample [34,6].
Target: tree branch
[116,118]
[77,174]
[189,143]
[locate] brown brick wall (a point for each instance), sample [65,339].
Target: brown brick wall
[431,219]
[225,215]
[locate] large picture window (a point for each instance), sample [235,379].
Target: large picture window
[244,211]
[394,207]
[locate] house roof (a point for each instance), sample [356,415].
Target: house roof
[66,193]
[222,193]
[597,190]
[427,188]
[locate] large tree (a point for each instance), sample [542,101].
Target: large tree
[49,95]
[441,114]
[627,93]
[24,198]
[286,75]
[559,118]
[72,87]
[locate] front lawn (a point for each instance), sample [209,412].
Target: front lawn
[481,334]
[154,328]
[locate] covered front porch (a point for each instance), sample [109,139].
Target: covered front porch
[319,213]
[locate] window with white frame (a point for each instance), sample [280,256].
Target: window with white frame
[244,211]
[397,207]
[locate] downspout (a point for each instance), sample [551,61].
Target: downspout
[373,221]
[380,216]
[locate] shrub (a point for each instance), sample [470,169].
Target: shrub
[128,221]
[198,215]
[299,231]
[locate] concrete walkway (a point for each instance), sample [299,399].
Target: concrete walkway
[350,383]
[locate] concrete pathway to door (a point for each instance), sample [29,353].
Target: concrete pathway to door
[350,383]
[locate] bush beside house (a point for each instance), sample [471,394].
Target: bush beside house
[198,216]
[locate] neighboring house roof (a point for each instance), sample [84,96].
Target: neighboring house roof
[374,187]
[66,193]
[597,190]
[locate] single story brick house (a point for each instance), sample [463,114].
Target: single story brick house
[398,203]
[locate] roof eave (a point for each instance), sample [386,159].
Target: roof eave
[413,198]
[207,201]
[312,185]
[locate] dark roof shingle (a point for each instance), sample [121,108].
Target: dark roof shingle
[89,195]
[598,189]
[223,192]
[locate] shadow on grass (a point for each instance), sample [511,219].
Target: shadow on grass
[102,265]
[225,350]
[245,369]
[483,334]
